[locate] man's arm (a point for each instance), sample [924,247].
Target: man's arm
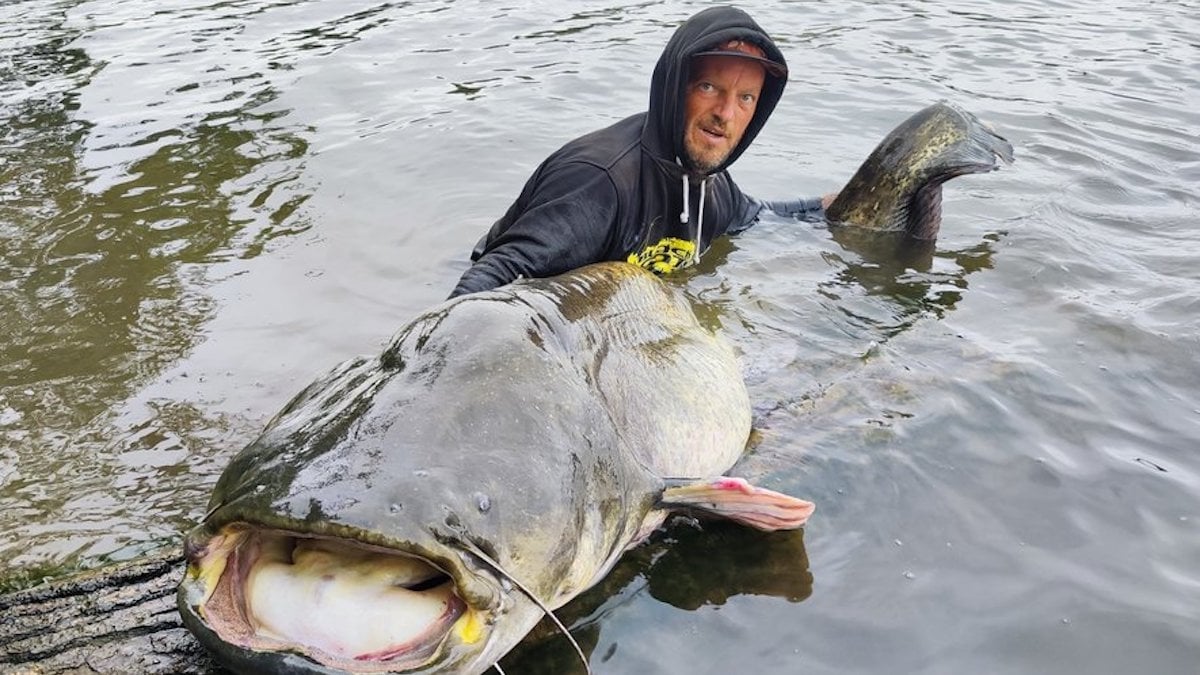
[565,219]
[812,209]
[809,210]
[748,209]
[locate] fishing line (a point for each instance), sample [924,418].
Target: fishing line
[470,545]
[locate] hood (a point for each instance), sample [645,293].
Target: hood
[663,133]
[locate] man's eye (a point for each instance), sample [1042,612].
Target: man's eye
[748,98]
[705,86]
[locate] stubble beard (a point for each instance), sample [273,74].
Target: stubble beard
[705,162]
[704,166]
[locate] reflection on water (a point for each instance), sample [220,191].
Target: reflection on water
[121,185]
[914,276]
[689,565]
[205,205]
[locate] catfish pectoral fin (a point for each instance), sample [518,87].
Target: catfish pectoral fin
[898,187]
[738,500]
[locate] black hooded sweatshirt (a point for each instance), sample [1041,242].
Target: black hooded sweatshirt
[628,192]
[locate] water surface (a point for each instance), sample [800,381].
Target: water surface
[204,205]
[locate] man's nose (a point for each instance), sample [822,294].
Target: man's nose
[725,107]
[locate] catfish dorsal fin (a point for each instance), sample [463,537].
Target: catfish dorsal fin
[737,500]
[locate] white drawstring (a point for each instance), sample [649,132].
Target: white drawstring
[686,215]
[700,218]
[683,217]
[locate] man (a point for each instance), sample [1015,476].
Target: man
[653,188]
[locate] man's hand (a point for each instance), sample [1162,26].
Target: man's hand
[826,200]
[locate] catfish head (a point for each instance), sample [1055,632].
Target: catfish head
[359,533]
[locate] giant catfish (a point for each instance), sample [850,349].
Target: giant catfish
[421,510]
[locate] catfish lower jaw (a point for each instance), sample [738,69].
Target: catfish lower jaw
[343,605]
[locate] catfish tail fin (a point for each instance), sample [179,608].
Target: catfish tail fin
[899,186]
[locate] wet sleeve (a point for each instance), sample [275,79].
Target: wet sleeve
[808,210]
[567,220]
[748,209]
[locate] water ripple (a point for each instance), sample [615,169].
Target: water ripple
[202,202]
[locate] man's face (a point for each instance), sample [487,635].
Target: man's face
[721,97]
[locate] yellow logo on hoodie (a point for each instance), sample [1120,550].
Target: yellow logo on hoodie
[666,256]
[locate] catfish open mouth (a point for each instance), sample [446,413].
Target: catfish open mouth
[344,605]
